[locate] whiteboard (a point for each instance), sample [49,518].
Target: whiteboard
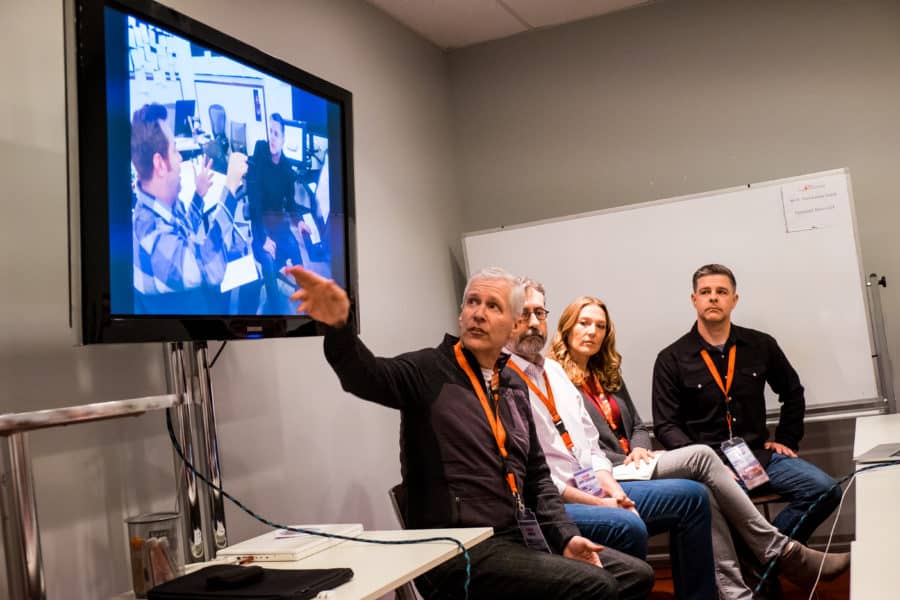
[805,287]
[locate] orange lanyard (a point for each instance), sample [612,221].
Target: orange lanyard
[726,387]
[494,421]
[602,403]
[549,402]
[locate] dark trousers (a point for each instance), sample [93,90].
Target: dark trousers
[503,567]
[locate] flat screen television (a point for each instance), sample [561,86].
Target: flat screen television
[204,169]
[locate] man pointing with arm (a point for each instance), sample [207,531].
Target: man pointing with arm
[469,452]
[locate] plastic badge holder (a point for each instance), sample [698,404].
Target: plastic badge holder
[744,463]
[155,547]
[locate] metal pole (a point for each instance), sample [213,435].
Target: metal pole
[21,536]
[207,430]
[189,503]
[882,357]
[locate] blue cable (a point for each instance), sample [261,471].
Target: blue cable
[274,525]
[771,564]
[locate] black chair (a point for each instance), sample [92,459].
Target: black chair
[398,498]
[764,500]
[217,120]
[217,148]
[239,137]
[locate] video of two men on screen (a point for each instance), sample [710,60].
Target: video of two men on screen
[230,182]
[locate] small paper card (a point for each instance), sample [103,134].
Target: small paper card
[587,482]
[744,463]
[531,531]
[239,272]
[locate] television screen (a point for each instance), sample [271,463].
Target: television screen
[206,170]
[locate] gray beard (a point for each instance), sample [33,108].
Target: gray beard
[530,346]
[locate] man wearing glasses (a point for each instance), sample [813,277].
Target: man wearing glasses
[582,473]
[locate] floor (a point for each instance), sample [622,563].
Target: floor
[839,589]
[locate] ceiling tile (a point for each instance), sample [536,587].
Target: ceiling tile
[544,13]
[453,23]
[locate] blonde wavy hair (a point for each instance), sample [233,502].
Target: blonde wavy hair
[605,365]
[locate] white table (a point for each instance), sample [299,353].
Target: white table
[378,569]
[877,514]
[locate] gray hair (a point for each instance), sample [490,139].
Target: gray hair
[531,284]
[713,269]
[516,286]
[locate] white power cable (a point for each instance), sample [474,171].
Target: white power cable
[812,592]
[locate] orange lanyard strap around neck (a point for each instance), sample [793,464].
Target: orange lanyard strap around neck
[600,399]
[549,402]
[726,387]
[493,420]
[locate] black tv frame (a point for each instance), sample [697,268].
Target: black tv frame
[98,325]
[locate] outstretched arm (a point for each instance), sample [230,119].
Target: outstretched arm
[387,381]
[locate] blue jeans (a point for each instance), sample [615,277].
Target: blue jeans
[677,506]
[801,483]
[613,527]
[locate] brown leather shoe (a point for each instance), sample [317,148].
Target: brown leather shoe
[800,564]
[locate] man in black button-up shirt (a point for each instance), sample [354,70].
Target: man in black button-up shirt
[689,406]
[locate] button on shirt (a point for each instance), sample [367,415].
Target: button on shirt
[689,407]
[570,406]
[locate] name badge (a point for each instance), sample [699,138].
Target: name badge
[586,481]
[744,463]
[531,531]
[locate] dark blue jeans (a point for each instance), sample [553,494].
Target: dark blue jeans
[677,506]
[802,483]
[503,568]
[613,527]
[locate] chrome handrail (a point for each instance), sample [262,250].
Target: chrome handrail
[57,417]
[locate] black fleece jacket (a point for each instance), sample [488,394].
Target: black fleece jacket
[449,459]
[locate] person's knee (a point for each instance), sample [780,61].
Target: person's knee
[633,536]
[645,576]
[633,525]
[701,460]
[599,583]
[705,454]
[699,495]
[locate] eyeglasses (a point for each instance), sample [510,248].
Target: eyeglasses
[540,313]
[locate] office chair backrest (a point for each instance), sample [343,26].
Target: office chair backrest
[217,120]
[398,501]
[239,137]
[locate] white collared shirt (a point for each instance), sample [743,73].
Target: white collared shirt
[570,406]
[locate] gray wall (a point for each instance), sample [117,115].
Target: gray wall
[294,446]
[681,97]
[686,96]
[673,98]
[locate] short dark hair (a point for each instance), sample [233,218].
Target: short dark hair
[278,119]
[148,138]
[713,269]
